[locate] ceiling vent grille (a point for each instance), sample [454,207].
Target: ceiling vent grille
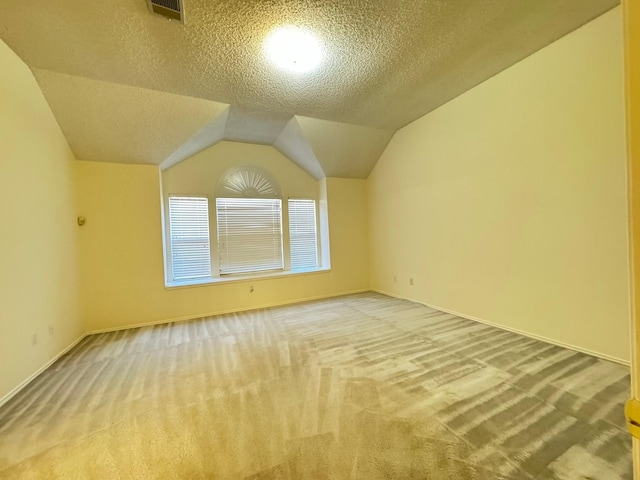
[171,9]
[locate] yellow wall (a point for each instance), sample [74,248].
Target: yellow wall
[632,64]
[122,260]
[632,69]
[200,173]
[508,203]
[38,283]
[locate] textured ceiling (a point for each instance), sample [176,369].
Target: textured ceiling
[387,62]
[340,147]
[122,123]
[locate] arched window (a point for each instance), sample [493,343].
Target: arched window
[252,231]
[249,221]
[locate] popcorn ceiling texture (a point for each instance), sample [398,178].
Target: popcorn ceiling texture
[122,123]
[387,62]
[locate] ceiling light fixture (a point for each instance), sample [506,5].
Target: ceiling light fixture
[294,49]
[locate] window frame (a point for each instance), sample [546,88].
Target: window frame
[321,225]
[316,232]
[170,244]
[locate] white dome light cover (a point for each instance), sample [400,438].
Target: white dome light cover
[294,49]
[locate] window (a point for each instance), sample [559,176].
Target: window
[246,231]
[249,234]
[302,234]
[189,237]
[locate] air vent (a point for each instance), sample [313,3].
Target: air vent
[171,9]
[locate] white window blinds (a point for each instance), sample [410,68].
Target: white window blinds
[249,234]
[302,234]
[189,231]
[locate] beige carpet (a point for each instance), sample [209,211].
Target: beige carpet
[360,387]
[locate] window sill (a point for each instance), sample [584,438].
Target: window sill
[203,282]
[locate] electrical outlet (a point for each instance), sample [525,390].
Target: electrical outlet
[34,339]
[52,329]
[411,281]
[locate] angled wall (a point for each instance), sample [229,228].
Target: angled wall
[39,284]
[508,204]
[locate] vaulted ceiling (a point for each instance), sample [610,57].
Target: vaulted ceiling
[129,86]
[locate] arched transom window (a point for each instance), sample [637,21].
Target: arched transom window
[248,234]
[249,220]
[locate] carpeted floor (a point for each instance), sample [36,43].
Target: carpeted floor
[360,387]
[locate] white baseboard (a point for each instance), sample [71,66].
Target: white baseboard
[610,358]
[26,382]
[225,312]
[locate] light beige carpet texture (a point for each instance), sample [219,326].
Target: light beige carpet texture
[360,387]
